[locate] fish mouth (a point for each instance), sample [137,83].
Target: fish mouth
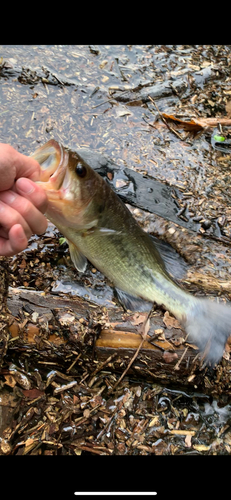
[53,160]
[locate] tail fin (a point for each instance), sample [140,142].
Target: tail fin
[209,326]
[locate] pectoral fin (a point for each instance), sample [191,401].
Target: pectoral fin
[102,231]
[78,259]
[132,303]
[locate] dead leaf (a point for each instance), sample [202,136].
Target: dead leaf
[23,264]
[159,331]
[161,337]
[189,125]
[66,319]
[170,322]
[10,380]
[197,124]
[32,393]
[138,318]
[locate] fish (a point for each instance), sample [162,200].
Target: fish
[100,228]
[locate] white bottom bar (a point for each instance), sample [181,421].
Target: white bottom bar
[115,493]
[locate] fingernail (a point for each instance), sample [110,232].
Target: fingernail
[25,185]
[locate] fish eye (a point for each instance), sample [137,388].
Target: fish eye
[80,170]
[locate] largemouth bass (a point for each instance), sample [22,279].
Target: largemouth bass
[100,228]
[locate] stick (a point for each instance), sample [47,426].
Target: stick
[144,332]
[165,121]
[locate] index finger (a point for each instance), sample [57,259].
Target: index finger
[14,165]
[27,167]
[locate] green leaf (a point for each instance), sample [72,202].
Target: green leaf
[219,138]
[62,240]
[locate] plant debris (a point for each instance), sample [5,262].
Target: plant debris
[61,392]
[197,124]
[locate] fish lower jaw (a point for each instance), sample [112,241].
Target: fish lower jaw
[58,194]
[52,192]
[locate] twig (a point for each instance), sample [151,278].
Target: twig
[165,121]
[176,367]
[128,366]
[118,408]
[104,102]
[75,361]
[107,424]
[150,124]
[157,345]
[143,333]
[102,365]
[58,80]
[124,78]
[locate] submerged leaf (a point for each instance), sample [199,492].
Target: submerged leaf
[197,124]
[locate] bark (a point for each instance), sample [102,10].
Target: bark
[165,356]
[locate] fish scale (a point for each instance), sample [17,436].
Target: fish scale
[100,228]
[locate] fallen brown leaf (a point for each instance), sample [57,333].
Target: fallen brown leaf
[189,125]
[32,393]
[10,380]
[170,321]
[139,318]
[197,124]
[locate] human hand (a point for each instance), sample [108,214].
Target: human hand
[22,202]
